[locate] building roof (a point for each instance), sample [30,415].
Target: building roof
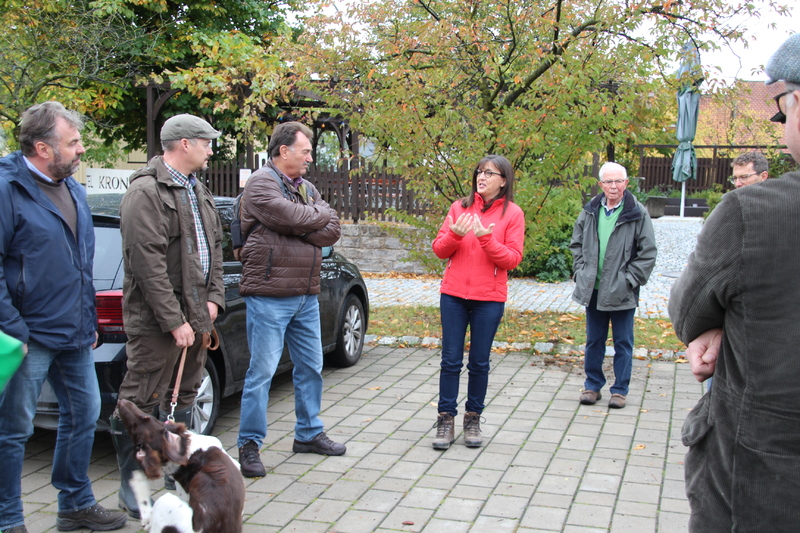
[740,116]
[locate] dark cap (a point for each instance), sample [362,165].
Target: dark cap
[187,127]
[785,63]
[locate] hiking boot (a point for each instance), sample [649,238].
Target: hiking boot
[250,460]
[472,430]
[445,432]
[590,397]
[96,518]
[617,401]
[320,444]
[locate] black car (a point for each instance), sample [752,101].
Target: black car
[343,301]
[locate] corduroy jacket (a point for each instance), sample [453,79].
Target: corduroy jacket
[742,470]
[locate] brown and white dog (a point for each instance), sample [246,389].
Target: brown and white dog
[209,479]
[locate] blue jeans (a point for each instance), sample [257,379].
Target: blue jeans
[269,321]
[483,319]
[596,335]
[72,375]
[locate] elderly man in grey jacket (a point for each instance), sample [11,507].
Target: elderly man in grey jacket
[613,250]
[736,306]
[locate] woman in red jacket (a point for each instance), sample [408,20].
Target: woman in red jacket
[482,239]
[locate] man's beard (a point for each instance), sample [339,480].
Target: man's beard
[60,170]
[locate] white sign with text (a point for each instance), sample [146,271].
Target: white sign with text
[107,180]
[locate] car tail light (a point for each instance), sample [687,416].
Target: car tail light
[109,312]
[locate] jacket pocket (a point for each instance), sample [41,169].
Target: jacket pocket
[619,292]
[697,471]
[268,267]
[766,488]
[697,424]
[18,296]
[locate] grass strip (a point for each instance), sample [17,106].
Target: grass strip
[519,326]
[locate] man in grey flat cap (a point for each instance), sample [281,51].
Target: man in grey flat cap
[736,307]
[173,290]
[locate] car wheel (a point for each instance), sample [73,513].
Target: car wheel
[350,337]
[206,407]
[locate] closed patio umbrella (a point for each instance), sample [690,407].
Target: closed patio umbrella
[684,163]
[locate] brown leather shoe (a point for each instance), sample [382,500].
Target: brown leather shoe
[445,431]
[472,430]
[96,518]
[250,460]
[617,401]
[590,397]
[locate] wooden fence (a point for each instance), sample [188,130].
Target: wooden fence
[657,173]
[713,170]
[354,197]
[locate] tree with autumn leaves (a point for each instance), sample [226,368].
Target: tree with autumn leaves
[433,84]
[437,84]
[95,56]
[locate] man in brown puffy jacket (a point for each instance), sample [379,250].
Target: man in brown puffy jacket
[173,288]
[285,224]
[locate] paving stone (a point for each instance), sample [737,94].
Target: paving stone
[548,463]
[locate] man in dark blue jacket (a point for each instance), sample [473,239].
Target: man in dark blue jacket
[47,302]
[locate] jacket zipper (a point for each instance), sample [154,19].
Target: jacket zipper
[311,272]
[269,266]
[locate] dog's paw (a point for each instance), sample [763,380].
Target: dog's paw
[141,489]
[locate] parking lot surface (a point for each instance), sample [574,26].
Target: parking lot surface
[548,464]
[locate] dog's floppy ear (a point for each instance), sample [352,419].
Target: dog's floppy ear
[172,446]
[150,462]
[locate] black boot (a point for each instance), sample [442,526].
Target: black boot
[127,464]
[183,416]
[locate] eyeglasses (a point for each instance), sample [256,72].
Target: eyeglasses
[780,116]
[487,173]
[734,179]
[613,182]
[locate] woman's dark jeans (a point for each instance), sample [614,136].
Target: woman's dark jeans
[483,319]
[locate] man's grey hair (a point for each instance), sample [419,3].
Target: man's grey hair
[38,124]
[611,166]
[760,163]
[170,145]
[285,135]
[791,86]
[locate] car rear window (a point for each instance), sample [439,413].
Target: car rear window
[107,257]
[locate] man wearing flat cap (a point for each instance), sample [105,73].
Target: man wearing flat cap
[173,290]
[736,306]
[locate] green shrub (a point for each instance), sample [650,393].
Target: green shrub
[550,262]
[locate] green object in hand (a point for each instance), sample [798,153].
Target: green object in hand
[11,355]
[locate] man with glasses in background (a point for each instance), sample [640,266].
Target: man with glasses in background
[614,251]
[736,306]
[748,169]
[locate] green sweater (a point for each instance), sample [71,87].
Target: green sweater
[605,226]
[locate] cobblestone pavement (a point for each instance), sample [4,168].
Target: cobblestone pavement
[675,239]
[548,464]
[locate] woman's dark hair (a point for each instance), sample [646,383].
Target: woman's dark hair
[507,191]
